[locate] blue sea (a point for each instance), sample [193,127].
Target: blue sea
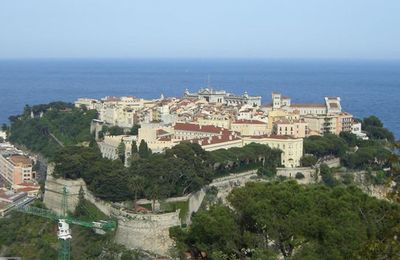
[366,87]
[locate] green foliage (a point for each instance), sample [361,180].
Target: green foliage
[68,124]
[298,221]
[134,148]
[369,156]
[327,176]
[299,175]
[121,151]
[113,130]
[212,231]
[375,130]
[372,121]
[144,150]
[308,160]
[134,130]
[328,144]
[251,156]
[180,170]
[350,138]
[28,236]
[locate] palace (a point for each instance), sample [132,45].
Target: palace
[222,97]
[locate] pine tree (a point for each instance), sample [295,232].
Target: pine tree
[121,151]
[144,150]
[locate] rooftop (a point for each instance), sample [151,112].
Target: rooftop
[20,160]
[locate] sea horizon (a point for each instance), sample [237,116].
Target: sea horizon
[366,86]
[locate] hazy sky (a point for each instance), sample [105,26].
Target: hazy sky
[202,28]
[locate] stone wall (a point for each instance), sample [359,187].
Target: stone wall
[146,231]
[309,174]
[53,194]
[226,184]
[195,200]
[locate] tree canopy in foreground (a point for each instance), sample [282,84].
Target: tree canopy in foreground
[298,222]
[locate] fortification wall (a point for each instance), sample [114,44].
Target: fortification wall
[226,184]
[147,231]
[309,174]
[54,191]
[195,200]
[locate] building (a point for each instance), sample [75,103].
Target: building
[292,148]
[250,127]
[3,135]
[225,141]
[157,137]
[189,131]
[88,103]
[321,124]
[356,129]
[16,169]
[344,122]
[215,120]
[330,106]
[109,146]
[222,97]
[295,128]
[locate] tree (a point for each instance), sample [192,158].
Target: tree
[121,151]
[134,148]
[308,160]
[144,150]
[327,175]
[372,121]
[302,222]
[80,207]
[350,138]
[135,186]
[213,231]
[134,130]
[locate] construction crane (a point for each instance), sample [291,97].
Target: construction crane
[64,220]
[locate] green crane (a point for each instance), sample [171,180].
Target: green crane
[64,220]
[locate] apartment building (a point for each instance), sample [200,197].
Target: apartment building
[16,169]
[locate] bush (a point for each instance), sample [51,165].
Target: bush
[299,176]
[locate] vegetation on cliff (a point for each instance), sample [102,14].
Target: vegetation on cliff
[375,153]
[39,128]
[180,170]
[296,221]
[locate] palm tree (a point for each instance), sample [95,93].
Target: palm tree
[135,185]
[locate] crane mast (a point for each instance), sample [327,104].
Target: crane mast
[63,226]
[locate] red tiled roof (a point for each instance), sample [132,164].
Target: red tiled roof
[308,105]
[283,137]
[161,132]
[27,189]
[197,128]
[246,121]
[20,159]
[112,98]
[215,139]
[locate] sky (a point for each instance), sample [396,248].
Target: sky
[340,29]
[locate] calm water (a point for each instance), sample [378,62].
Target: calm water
[366,87]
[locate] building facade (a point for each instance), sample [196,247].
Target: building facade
[16,169]
[222,97]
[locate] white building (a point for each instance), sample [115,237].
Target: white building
[222,97]
[292,148]
[109,146]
